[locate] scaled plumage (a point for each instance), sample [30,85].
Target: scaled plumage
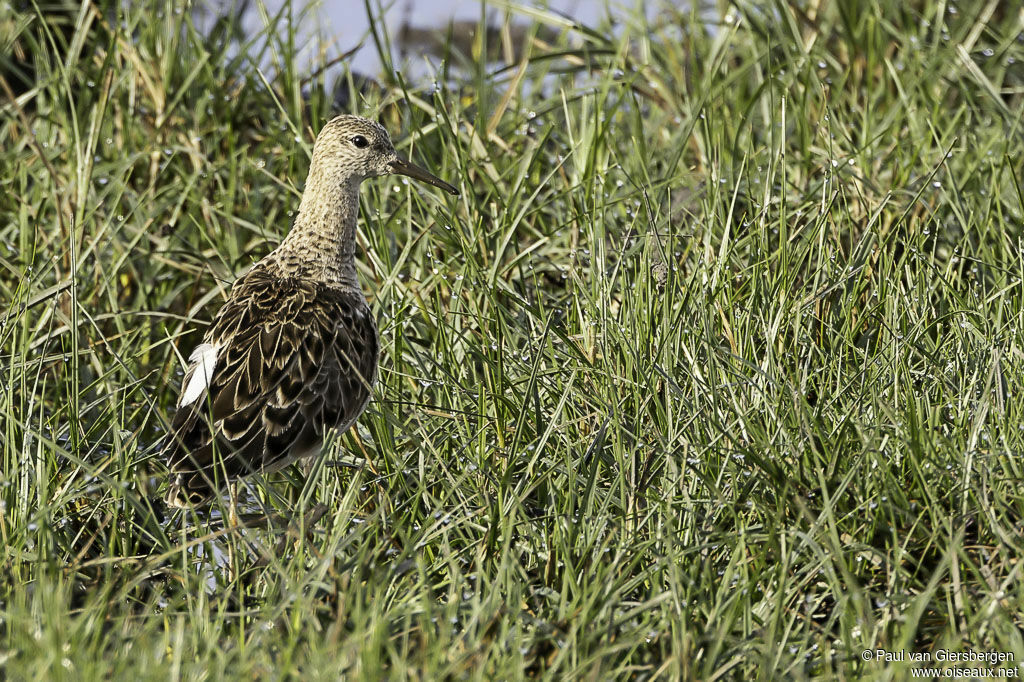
[293,351]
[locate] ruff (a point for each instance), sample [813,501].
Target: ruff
[293,351]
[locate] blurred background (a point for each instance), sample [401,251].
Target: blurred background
[417,28]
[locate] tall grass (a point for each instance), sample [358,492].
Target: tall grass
[713,371]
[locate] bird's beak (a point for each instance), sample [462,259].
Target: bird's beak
[403,167]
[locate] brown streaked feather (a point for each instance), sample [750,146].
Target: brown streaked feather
[297,356]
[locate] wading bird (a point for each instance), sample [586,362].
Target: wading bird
[293,351]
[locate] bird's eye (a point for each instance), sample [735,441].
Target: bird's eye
[360,141]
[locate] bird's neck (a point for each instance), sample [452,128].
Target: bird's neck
[322,242]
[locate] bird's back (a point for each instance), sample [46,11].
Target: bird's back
[286,358]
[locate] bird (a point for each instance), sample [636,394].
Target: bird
[292,352]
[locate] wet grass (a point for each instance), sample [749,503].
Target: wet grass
[714,370]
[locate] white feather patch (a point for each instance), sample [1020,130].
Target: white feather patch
[204,361]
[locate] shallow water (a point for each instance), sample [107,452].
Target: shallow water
[331,29]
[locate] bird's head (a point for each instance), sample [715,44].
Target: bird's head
[356,148]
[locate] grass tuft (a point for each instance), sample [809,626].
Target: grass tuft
[712,371]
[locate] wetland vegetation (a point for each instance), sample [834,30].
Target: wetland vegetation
[713,371]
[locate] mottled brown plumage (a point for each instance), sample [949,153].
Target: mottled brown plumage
[293,351]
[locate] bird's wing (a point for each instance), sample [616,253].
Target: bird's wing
[285,359]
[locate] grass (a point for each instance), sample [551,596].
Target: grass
[713,371]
